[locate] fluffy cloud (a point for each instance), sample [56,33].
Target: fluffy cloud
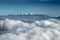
[38,30]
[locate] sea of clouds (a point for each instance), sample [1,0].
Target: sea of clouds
[39,30]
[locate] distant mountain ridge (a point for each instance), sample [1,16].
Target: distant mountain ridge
[29,16]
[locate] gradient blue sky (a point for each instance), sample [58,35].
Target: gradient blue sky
[48,7]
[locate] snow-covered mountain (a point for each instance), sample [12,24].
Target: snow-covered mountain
[29,16]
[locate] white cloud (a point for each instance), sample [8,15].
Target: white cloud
[20,30]
[45,0]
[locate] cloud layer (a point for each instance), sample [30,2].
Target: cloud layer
[38,30]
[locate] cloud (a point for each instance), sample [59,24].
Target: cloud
[49,0]
[45,0]
[38,30]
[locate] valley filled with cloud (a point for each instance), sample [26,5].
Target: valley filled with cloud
[38,30]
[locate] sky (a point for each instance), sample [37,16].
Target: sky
[47,7]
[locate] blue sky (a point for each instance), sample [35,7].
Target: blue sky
[48,7]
